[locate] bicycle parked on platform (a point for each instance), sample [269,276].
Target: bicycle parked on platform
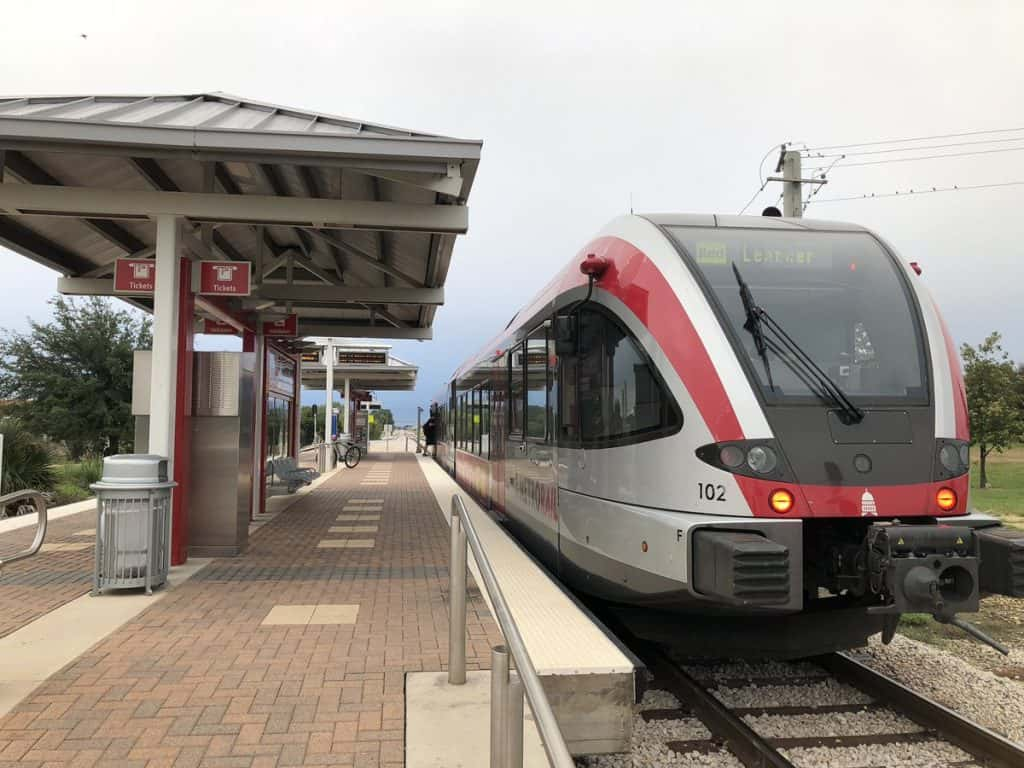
[348,452]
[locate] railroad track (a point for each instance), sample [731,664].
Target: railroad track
[826,710]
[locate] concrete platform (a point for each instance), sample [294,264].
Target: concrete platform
[448,726]
[588,679]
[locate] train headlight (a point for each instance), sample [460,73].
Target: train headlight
[762,459]
[950,458]
[946,499]
[731,456]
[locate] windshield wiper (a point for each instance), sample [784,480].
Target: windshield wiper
[753,325]
[758,320]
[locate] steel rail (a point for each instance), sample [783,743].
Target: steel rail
[751,749]
[550,734]
[979,742]
[39,501]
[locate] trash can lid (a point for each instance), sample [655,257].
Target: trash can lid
[134,468]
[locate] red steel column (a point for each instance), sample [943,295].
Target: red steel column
[182,418]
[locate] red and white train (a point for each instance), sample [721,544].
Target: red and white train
[758,420]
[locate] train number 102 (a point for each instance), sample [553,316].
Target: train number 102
[711,492]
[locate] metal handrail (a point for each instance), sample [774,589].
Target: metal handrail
[39,501]
[550,734]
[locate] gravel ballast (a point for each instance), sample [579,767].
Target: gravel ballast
[928,754]
[988,699]
[832,724]
[828,691]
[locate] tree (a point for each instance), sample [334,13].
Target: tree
[308,426]
[380,419]
[71,379]
[993,399]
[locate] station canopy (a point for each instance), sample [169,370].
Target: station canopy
[369,366]
[347,224]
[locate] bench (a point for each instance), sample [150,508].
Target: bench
[288,472]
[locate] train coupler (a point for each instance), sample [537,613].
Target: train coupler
[923,569]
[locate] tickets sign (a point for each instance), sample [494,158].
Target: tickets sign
[224,278]
[287,325]
[134,276]
[217,328]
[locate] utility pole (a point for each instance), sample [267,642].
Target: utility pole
[792,182]
[792,191]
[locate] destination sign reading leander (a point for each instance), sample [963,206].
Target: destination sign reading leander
[134,276]
[224,278]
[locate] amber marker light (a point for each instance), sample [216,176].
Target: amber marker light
[946,499]
[781,501]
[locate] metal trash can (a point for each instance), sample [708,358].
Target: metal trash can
[133,523]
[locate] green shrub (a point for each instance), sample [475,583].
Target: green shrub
[28,462]
[84,473]
[69,493]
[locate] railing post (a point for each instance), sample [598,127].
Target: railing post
[499,707]
[515,722]
[457,601]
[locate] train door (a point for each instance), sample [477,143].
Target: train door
[453,430]
[530,486]
[497,442]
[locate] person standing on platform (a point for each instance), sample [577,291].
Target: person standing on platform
[430,432]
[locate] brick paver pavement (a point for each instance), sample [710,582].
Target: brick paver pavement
[198,680]
[38,585]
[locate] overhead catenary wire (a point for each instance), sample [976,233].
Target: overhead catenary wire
[924,191]
[818,187]
[930,157]
[760,175]
[813,155]
[916,138]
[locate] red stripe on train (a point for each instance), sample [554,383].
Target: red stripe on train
[636,282]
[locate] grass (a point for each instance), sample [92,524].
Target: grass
[74,479]
[1004,497]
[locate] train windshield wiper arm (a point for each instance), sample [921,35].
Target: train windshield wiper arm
[753,325]
[759,319]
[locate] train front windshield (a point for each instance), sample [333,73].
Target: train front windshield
[839,295]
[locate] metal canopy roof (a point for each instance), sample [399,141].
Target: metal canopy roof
[393,375]
[348,224]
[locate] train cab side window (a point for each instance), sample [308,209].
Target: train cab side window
[537,385]
[620,395]
[516,389]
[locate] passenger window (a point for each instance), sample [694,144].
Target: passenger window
[516,390]
[464,422]
[620,395]
[537,385]
[476,421]
[485,421]
[460,428]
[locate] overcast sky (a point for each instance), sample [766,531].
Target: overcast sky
[583,107]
